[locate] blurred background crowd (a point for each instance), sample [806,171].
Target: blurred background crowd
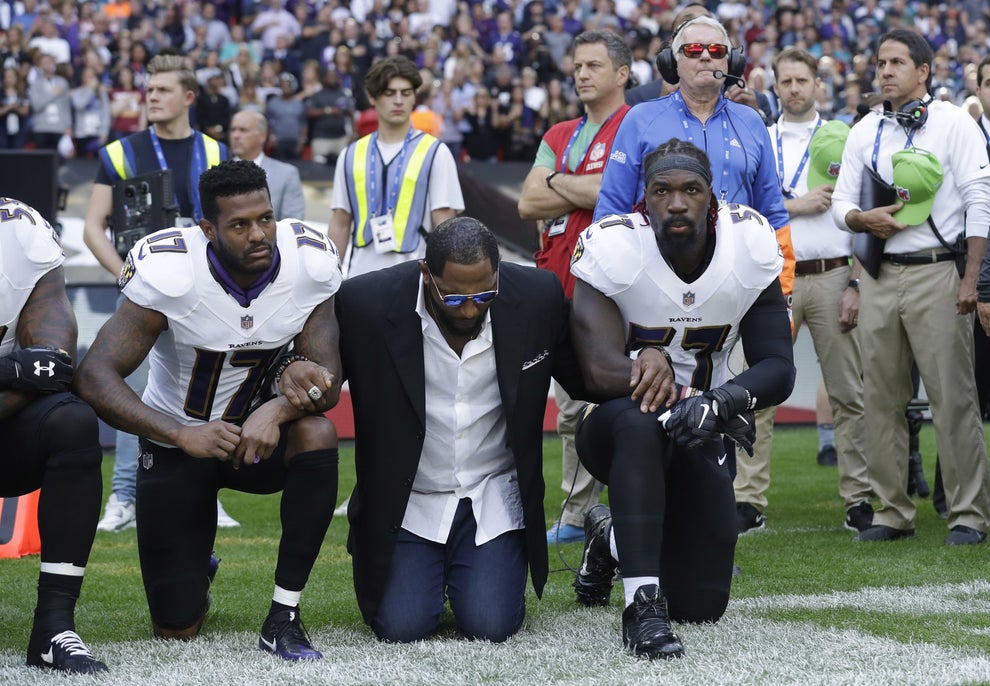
[497,73]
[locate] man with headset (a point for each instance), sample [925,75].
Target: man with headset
[743,166]
[936,158]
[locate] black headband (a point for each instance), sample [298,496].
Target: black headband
[668,162]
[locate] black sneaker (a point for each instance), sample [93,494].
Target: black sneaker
[882,532]
[827,456]
[749,518]
[964,535]
[283,634]
[593,581]
[63,652]
[859,517]
[646,628]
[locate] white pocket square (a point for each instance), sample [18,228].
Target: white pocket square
[536,360]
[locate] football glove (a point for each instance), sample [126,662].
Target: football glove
[37,369]
[692,421]
[742,430]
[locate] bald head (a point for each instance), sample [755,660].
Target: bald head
[248,133]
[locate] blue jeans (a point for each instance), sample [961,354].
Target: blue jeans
[124,479]
[486,584]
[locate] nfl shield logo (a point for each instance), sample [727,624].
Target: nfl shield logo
[247,321]
[903,194]
[688,299]
[597,152]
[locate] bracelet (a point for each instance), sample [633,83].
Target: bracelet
[550,178]
[284,364]
[663,351]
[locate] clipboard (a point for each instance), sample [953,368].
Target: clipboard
[867,248]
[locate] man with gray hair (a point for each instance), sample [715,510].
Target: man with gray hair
[248,133]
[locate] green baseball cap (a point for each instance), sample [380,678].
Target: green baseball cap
[825,153]
[917,177]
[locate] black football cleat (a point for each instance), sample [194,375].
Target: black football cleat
[593,581]
[62,652]
[646,628]
[283,634]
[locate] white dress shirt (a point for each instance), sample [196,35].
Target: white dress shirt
[465,452]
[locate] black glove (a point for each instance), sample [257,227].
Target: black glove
[692,421]
[731,399]
[742,430]
[37,369]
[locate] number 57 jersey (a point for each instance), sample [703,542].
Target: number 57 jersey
[697,322]
[210,362]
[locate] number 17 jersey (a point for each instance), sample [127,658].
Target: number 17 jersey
[697,322]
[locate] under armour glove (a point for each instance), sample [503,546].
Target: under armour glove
[692,421]
[742,430]
[36,369]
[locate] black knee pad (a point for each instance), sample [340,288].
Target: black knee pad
[73,434]
[178,603]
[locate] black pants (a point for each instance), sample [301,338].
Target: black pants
[673,511]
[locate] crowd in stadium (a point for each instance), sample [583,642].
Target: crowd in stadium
[497,75]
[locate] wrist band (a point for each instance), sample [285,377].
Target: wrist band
[663,351]
[284,364]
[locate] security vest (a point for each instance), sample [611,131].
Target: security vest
[405,181]
[121,162]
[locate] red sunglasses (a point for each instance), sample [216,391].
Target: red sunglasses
[693,50]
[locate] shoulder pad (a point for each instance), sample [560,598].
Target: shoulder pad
[759,257]
[316,253]
[609,253]
[27,234]
[163,265]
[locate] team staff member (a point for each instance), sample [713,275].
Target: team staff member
[168,143]
[454,354]
[248,133]
[826,296]
[215,306]
[918,290]
[50,437]
[561,190]
[391,187]
[682,260]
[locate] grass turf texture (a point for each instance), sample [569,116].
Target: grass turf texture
[811,607]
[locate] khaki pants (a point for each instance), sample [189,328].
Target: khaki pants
[583,488]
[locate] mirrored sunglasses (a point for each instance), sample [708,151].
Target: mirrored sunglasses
[456,299]
[716,50]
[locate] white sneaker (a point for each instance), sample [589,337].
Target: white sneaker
[117,515]
[224,520]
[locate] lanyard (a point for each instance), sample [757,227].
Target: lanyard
[567,150]
[197,166]
[392,189]
[789,190]
[876,145]
[725,162]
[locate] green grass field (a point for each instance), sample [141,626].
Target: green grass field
[810,607]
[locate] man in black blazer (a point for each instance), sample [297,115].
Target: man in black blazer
[449,394]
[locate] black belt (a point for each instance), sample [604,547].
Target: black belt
[820,266]
[928,258]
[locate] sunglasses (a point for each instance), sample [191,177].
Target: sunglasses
[456,300]
[716,50]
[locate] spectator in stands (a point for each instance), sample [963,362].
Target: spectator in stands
[50,42]
[51,105]
[287,120]
[273,22]
[90,114]
[213,110]
[329,112]
[127,113]
[481,142]
[285,55]
[15,108]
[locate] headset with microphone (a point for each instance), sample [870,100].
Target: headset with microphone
[667,63]
[911,115]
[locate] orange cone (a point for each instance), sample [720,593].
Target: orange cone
[19,526]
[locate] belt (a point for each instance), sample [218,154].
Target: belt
[921,257]
[805,267]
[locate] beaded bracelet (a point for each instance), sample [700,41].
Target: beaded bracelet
[284,364]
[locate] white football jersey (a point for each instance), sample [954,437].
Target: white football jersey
[211,361]
[698,323]
[29,249]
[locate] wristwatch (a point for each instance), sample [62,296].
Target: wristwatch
[550,177]
[853,284]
